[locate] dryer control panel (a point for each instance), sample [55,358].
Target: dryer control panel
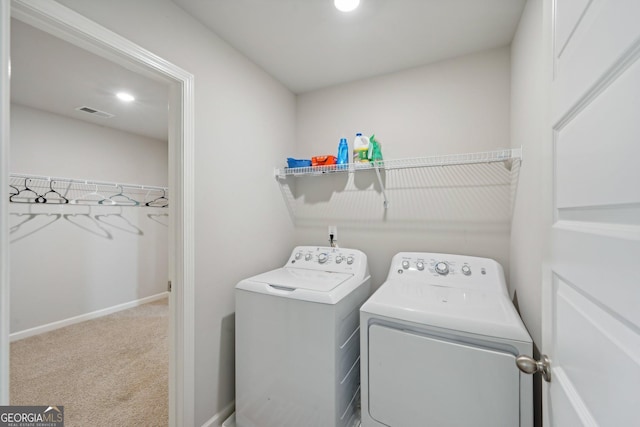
[448,270]
[324,258]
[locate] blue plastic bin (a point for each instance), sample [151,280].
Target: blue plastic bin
[298,163]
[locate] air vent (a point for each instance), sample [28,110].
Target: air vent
[95,112]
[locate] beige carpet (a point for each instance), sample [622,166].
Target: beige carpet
[111,371]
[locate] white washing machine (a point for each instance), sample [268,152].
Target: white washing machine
[298,341]
[439,341]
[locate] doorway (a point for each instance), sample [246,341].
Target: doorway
[103,299]
[67,25]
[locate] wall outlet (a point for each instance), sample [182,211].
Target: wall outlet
[333,230]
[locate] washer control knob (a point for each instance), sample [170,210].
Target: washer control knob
[339,259]
[299,255]
[349,260]
[420,265]
[322,258]
[307,257]
[405,264]
[442,268]
[466,270]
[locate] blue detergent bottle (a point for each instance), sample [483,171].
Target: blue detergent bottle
[343,152]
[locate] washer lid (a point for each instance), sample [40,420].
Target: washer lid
[298,278]
[478,312]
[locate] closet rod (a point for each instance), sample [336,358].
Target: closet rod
[87,182]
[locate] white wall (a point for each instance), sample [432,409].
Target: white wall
[50,144]
[245,123]
[451,107]
[530,103]
[529,128]
[69,260]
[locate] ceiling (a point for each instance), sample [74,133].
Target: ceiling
[305,44]
[53,75]
[309,44]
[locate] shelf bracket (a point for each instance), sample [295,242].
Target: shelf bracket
[384,194]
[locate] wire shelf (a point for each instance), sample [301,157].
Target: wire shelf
[26,188]
[505,155]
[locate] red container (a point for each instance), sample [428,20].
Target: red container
[323,160]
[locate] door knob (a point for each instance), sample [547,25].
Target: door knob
[529,365]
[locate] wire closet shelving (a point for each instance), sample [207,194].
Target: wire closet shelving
[507,156]
[37,189]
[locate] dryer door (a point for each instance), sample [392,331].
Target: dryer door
[416,380]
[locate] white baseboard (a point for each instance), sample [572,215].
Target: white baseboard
[220,417]
[84,317]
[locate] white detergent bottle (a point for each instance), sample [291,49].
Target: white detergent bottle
[360,149]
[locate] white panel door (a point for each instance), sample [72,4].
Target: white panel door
[591,311]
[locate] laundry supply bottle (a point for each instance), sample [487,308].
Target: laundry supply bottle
[375,150]
[343,152]
[360,149]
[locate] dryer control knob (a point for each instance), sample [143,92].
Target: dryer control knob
[322,258]
[442,268]
[405,264]
[307,257]
[466,270]
[349,260]
[299,255]
[339,259]
[420,265]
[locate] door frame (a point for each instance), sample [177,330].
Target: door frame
[62,22]
[5,100]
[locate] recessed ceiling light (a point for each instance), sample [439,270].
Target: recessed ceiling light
[124,96]
[346,5]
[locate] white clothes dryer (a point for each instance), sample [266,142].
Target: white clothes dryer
[298,340]
[439,341]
